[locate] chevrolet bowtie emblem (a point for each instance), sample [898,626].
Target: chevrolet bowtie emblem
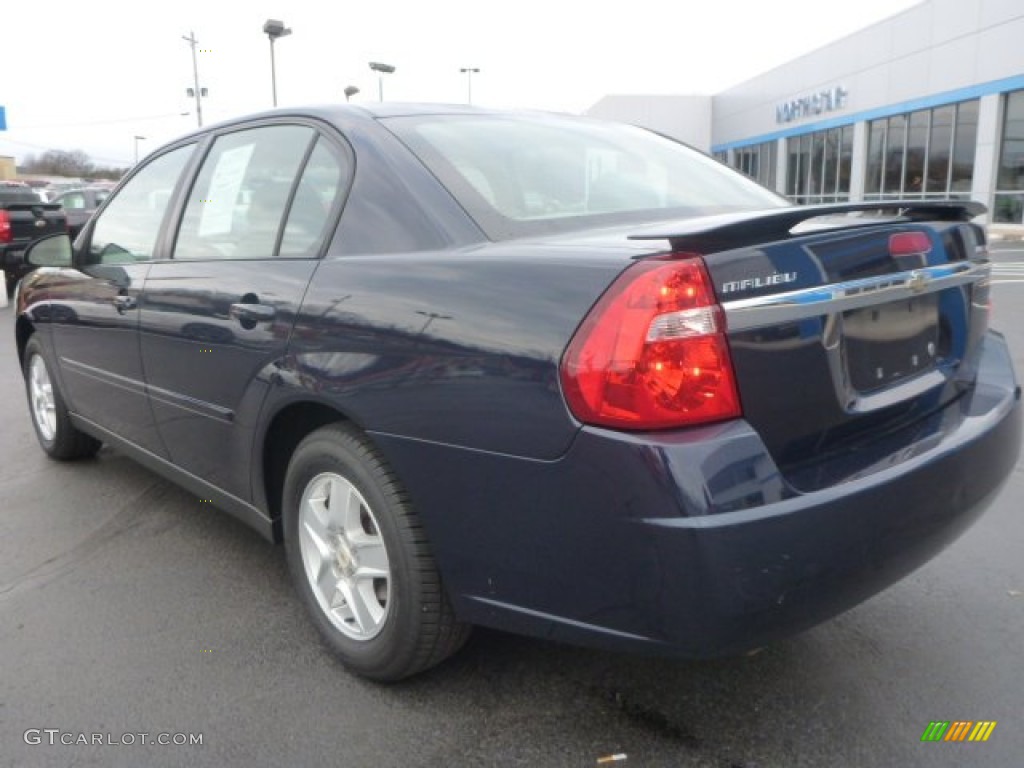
[918,282]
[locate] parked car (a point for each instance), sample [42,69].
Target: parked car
[540,373]
[79,205]
[23,219]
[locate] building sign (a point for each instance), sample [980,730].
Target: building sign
[808,106]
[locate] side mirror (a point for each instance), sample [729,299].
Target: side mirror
[50,251]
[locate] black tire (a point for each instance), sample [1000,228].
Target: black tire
[59,438]
[408,624]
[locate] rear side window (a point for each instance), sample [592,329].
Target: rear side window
[524,175]
[318,193]
[128,228]
[17,195]
[237,207]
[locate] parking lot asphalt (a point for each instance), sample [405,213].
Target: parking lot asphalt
[129,607]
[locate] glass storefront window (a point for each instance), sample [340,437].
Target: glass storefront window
[845,161]
[829,161]
[876,158]
[923,154]
[915,165]
[895,146]
[1009,202]
[964,143]
[758,162]
[818,166]
[939,146]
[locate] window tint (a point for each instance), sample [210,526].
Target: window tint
[238,202]
[129,226]
[315,198]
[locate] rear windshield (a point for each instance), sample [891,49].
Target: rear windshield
[18,195]
[534,174]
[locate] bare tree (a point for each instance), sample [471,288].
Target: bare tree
[75,164]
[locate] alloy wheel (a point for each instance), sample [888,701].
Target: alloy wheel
[344,557]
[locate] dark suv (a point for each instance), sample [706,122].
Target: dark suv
[23,219]
[546,374]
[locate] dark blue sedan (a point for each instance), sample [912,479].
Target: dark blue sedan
[546,374]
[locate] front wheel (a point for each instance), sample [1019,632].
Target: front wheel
[57,435]
[360,559]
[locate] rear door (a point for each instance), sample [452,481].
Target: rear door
[219,313]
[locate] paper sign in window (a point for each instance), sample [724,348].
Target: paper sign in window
[219,207]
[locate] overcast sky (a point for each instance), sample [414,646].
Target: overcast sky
[92,75]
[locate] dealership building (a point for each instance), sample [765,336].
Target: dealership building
[928,104]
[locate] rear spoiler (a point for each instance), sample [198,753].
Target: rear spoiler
[30,206]
[708,234]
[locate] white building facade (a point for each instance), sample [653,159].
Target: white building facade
[928,104]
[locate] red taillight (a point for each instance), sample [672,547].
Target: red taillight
[5,227]
[909,244]
[652,353]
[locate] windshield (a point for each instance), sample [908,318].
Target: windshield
[530,174]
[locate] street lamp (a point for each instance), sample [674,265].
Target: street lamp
[274,29]
[468,72]
[381,70]
[137,140]
[197,91]
[350,91]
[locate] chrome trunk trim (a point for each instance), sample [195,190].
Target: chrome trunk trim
[778,308]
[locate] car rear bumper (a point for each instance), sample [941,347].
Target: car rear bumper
[692,543]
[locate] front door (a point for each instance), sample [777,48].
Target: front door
[96,310]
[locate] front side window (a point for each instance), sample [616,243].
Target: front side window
[128,228]
[238,204]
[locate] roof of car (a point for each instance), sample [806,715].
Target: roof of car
[342,113]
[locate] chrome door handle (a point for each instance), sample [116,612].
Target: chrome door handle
[248,315]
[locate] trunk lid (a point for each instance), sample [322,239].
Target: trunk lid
[846,332]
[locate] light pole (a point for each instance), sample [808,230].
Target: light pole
[137,140]
[350,91]
[274,30]
[381,70]
[197,91]
[469,72]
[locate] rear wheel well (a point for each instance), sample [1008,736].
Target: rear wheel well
[289,427]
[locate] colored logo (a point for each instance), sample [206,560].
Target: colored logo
[958,730]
